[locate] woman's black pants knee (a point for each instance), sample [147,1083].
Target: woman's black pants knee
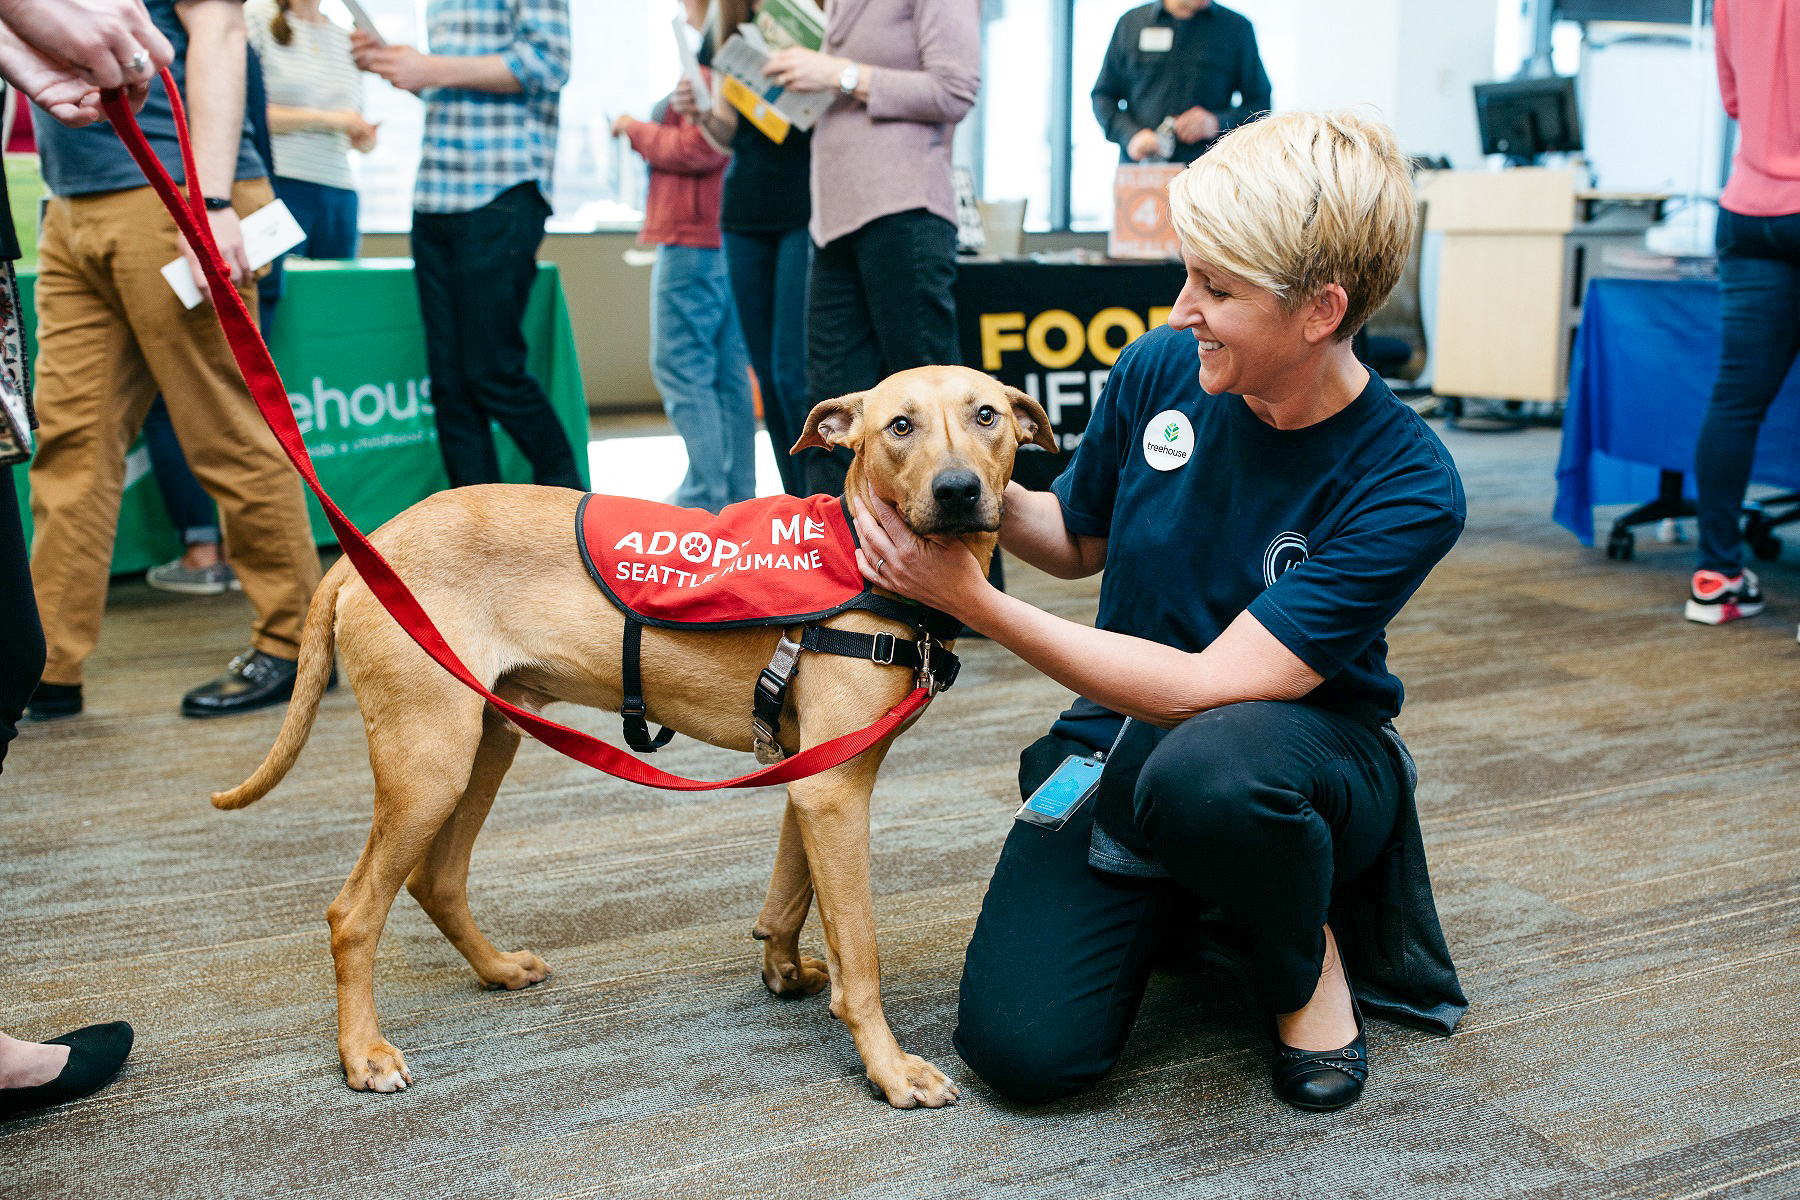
[1255,809]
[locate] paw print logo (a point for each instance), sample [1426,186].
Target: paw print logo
[695,547]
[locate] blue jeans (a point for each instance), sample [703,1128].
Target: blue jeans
[702,370]
[768,281]
[1759,285]
[327,214]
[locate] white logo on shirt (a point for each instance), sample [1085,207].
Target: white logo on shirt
[1286,552]
[1168,440]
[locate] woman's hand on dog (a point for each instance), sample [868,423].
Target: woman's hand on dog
[943,574]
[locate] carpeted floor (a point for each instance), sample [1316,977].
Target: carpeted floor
[1608,802]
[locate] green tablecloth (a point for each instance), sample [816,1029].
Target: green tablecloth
[350,348]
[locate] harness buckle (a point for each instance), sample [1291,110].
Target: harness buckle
[883,651]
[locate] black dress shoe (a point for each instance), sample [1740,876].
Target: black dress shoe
[1322,1080]
[95,1056]
[53,700]
[253,680]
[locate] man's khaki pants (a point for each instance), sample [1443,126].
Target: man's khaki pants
[111,334]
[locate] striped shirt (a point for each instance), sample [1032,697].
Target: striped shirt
[314,70]
[479,144]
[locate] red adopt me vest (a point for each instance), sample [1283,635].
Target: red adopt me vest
[777,560]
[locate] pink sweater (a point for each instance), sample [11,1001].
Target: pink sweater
[1757,43]
[893,154]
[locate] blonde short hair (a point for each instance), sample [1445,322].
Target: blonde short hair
[1296,202]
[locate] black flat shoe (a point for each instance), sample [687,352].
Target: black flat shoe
[251,681]
[1321,1080]
[52,701]
[95,1056]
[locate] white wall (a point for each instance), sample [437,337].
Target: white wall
[1412,60]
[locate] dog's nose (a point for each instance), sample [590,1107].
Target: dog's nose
[957,491]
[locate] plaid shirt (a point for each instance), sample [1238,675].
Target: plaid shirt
[478,144]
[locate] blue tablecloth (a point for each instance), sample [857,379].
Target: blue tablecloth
[1645,357]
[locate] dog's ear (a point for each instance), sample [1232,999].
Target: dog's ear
[833,423]
[1034,424]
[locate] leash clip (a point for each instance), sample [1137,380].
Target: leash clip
[770,695]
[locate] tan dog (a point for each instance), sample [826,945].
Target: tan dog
[497,569]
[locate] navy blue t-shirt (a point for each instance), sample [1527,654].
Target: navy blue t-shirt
[78,162]
[1323,533]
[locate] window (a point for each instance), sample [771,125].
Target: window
[1092,158]
[599,180]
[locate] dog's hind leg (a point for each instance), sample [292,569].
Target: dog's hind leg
[785,971]
[833,810]
[422,750]
[440,882]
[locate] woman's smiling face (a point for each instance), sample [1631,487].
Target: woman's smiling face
[1246,338]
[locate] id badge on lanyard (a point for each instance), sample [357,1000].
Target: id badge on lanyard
[1069,787]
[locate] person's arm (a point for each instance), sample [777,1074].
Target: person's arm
[1033,530]
[943,90]
[680,149]
[1109,91]
[1728,92]
[290,118]
[1129,675]
[1255,97]
[536,62]
[214,92]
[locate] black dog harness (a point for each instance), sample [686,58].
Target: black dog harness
[778,560]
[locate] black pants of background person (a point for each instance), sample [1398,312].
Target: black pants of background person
[1759,293]
[1254,809]
[880,302]
[22,642]
[474,272]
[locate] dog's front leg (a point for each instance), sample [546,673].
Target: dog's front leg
[833,812]
[785,971]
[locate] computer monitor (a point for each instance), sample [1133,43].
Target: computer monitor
[1670,12]
[1524,118]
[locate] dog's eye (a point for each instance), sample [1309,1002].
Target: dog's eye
[899,426]
[985,415]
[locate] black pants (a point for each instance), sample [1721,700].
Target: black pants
[1255,809]
[22,642]
[879,303]
[474,272]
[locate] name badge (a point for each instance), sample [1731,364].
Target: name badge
[1156,39]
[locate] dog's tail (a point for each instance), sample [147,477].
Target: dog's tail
[316,645]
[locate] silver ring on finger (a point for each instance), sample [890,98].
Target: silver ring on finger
[138,63]
[880,565]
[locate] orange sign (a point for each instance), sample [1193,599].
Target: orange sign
[1141,226]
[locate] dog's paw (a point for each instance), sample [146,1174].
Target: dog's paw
[804,978]
[915,1083]
[519,969]
[376,1068]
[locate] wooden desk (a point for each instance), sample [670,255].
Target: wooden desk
[1519,247]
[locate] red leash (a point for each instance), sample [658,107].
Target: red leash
[266,388]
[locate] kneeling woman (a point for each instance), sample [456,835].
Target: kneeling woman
[1259,524]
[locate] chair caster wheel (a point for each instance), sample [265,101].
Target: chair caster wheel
[1621,546]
